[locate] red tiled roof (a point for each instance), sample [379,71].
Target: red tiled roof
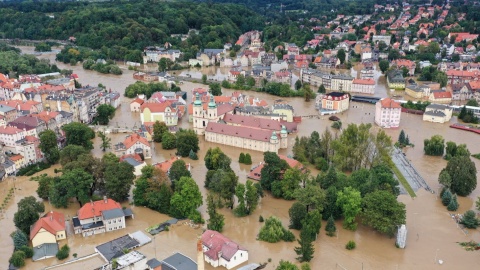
[9,130]
[134,156]
[52,222]
[364,81]
[255,173]
[91,209]
[218,243]
[389,103]
[442,94]
[222,99]
[166,165]
[239,131]
[138,100]
[253,122]
[156,107]
[131,140]
[16,157]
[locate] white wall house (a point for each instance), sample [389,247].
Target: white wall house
[220,251]
[387,113]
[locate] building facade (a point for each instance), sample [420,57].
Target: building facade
[387,113]
[364,86]
[220,251]
[335,101]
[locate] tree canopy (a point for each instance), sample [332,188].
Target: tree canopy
[79,134]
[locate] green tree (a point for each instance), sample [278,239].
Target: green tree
[286,265]
[178,170]
[48,145]
[241,159]
[28,251]
[312,196]
[286,187]
[186,198]
[215,159]
[159,128]
[79,134]
[215,89]
[106,141]
[192,155]
[298,85]
[19,238]
[118,180]
[251,197]
[73,183]
[440,77]
[463,173]
[164,64]
[169,141]
[27,213]
[306,266]
[341,55]
[240,82]
[18,258]
[453,205]
[330,228]
[331,208]
[71,153]
[273,231]
[446,197]
[383,212]
[44,186]
[186,140]
[445,179]
[470,220]
[297,213]
[105,112]
[307,92]
[350,200]
[434,146]
[248,159]
[321,89]
[216,221]
[272,170]
[472,102]
[306,249]
[384,65]
[63,253]
[402,138]
[477,204]
[204,79]
[241,209]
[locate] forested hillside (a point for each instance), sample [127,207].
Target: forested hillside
[126,26]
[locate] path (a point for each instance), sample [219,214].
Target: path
[415,180]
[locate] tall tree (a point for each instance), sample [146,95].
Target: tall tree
[312,196]
[297,213]
[106,141]
[105,112]
[19,238]
[341,55]
[186,140]
[71,153]
[272,170]
[159,128]
[215,89]
[118,180]
[350,200]
[215,159]
[306,249]
[216,221]
[73,183]
[178,170]
[463,173]
[241,209]
[186,198]
[27,213]
[434,146]
[321,89]
[330,228]
[79,134]
[286,265]
[44,186]
[48,145]
[382,211]
[384,65]
[251,197]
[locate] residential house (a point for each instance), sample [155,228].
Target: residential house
[9,135]
[341,83]
[8,113]
[387,113]
[45,234]
[163,112]
[395,80]
[221,251]
[18,159]
[462,36]
[461,92]
[408,64]
[335,101]
[29,148]
[177,261]
[385,38]
[135,104]
[32,125]
[417,91]
[99,217]
[437,113]
[134,144]
[284,110]
[210,57]
[167,164]
[440,96]
[113,99]
[136,161]
[256,172]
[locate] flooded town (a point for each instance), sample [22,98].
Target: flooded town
[247,116]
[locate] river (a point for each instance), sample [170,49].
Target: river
[431,232]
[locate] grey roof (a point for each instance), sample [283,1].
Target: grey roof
[437,106]
[395,76]
[178,261]
[127,212]
[435,113]
[152,263]
[282,107]
[132,161]
[114,249]
[44,251]
[76,222]
[113,213]
[251,266]
[65,114]
[141,237]
[213,51]
[5,108]
[92,225]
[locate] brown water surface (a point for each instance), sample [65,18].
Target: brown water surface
[431,232]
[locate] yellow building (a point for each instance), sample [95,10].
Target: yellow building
[284,110]
[19,161]
[48,230]
[395,80]
[162,112]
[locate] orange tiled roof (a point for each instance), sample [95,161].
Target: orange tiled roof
[91,209]
[52,222]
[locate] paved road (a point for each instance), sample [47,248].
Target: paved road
[415,180]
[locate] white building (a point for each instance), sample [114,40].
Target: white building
[10,135]
[387,113]
[221,251]
[364,86]
[437,113]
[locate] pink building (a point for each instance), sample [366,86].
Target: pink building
[387,113]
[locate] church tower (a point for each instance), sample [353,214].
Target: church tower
[212,110]
[198,120]
[274,142]
[283,137]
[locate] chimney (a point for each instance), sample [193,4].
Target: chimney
[91,202]
[105,200]
[200,260]
[51,215]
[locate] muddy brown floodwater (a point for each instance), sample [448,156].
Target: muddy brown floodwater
[432,234]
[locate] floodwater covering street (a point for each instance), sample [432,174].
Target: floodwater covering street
[432,234]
